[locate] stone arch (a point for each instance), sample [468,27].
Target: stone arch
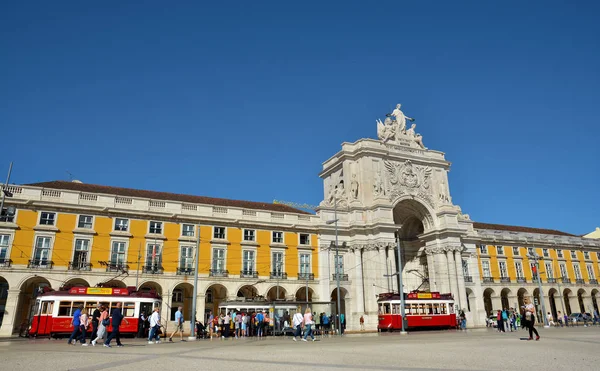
[567,293]
[214,294]
[75,282]
[150,286]
[522,293]
[30,288]
[334,299]
[488,296]
[471,301]
[115,284]
[4,287]
[504,298]
[271,294]
[581,294]
[301,294]
[552,292]
[406,207]
[247,292]
[595,299]
[181,296]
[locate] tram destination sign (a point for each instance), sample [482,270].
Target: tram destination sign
[98,291]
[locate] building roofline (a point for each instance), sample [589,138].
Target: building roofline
[513,228]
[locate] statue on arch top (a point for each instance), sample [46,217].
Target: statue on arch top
[400,119]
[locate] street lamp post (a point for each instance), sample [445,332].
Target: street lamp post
[401,285]
[336,262]
[536,258]
[195,292]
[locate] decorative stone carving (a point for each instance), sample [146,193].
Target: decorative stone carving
[336,192]
[386,130]
[378,185]
[443,195]
[409,179]
[400,119]
[395,132]
[354,187]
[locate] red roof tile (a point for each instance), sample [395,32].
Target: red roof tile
[129,192]
[502,227]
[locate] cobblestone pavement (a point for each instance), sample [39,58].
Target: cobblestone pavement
[484,349]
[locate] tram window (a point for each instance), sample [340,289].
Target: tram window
[76,304]
[386,308]
[113,306]
[89,307]
[64,308]
[429,308]
[443,308]
[436,308]
[129,310]
[422,309]
[380,308]
[47,307]
[396,309]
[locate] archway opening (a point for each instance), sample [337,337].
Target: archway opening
[181,296]
[248,292]
[566,296]
[214,295]
[470,299]
[115,284]
[504,298]
[334,299]
[552,299]
[487,301]
[3,297]
[75,282]
[151,287]
[580,295]
[301,294]
[30,289]
[522,293]
[595,299]
[276,293]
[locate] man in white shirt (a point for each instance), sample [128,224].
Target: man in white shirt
[154,326]
[297,321]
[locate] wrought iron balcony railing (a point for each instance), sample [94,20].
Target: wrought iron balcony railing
[218,273]
[342,276]
[593,281]
[306,276]
[521,280]
[580,281]
[185,271]
[278,276]
[5,263]
[468,279]
[152,269]
[551,280]
[248,274]
[488,279]
[79,266]
[566,280]
[116,267]
[40,264]
[505,279]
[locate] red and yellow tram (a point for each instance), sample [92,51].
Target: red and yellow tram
[53,311]
[422,310]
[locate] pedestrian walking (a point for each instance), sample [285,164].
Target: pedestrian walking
[142,324]
[75,323]
[550,319]
[155,326]
[103,323]
[559,318]
[362,323]
[178,324]
[297,322]
[84,323]
[308,323]
[117,318]
[505,325]
[463,320]
[499,323]
[95,322]
[259,323]
[530,319]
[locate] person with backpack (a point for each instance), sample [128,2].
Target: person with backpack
[505,325]
[326,324]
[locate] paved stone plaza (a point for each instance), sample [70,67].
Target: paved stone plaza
[484,349]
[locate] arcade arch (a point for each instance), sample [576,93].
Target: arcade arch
[214,295]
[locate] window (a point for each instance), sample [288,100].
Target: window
[41,254]
[47,218]
[85,221]
[248,261]
[573,254]
[155,227]
[277,237]
[559,253]
[218,263]
[530,251]
[577,271]
[219,233]
[500,250]
[503,271]
[546,253]
[590,271]
[153,256]
[128,309]
[563,271]
[304,239]
[80,257]
[188,230]
[4,241]
[519,269]
[516,251]
[277,261]
[483,249]
[64,308]
[485,267]
[586,255]
[117,253]
[177,296]
[549,271]
[121,224]
[339,264]
[249,234]
[465,268]
[533,270]
[186,258]
[304,264]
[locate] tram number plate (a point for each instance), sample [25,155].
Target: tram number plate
[425,317]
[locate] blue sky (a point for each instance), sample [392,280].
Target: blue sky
[245,99]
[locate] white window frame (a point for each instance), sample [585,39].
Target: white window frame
[183,230]
[486,264]
[503,272]
[54,219]
[148,256]
[191,257]
[590,271]
[559,253]
[121,230]
[249,235]
[516,251]
[273,265]
[499,250]
[212,258]
[586,255]
[110,251]
[483,249]
[301,264]
[546,253]
[89,248]
[50,249]
[85,216]
[519,270]
[530,251]
[273,237]
[465,268]
[159,227]
[8,243]
[253,261]
[532,265]
[214,232]
[563,271]
[300,239]
[549,271]
[577,272]
[573,254]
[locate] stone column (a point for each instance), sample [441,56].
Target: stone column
[462,292]
[441,272]
[10,313]
[358,282]
[451,276]
[382,264]
[431,270]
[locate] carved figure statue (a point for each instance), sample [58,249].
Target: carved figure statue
[400,119]
[354,187]
[419,141]
[411,132]
[414,136]
[378,188]
[386,130]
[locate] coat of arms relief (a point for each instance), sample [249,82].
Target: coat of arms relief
[409,179]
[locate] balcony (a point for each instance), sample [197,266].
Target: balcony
[248,274]
[278,276]
[306,276]
[504,279]
[469,279]
[593,281]
[5,263]
[342,276]
[185,271]
[551,280]
[40,264]
[521,280]
[80,266]
[153,269]
[580,281]
[566,280]
[488,280]
[218,273]
[116,267]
